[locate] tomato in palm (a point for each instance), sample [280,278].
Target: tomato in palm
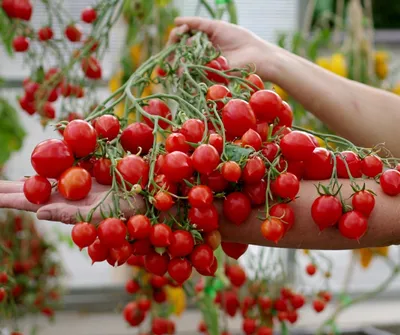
[390,182]
[179,269]
[75,183]
[326,210]
[102,171]
[371,166]
[213,239]
[97,251]
[262,129]
[270,151]
[285,213]
[237,207]
[285,115]
[73,32]
[266,105]
[119,256]
[200,196]
[134,170]
[234,250]
[256,192]
[156,264]
[215,181]
[137,136]
[160,235]
[37,190]
[83,234]
[231,171]
[176,142]
[286,185]
[50,158]
[319,166]
[294,167]
[273,229]
[182,243]
[238,117]
[256,81]
[213,76]
[205,218]
[348,160]
[107,126]
[254,170]
[217,93]
[205,159]
[217,142]
[297,146]
[157,107]
[88,15]
[193,130]
[45,34]
[252,139]
[112,232]
[80,137]
[133,315]
[163,201]
[139,227]
[363,202]
[177,166]
[162,181]
[202,257]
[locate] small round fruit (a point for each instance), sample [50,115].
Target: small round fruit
[390,182]
[112,232]
[20,44]
[273,229]
[83,234]
[326,211]
[107,126]
[238,117]
[363,202]
[89,15]
[75,183]
[80,137]
[37,190]
[353,225]
[371,166]
[237,207]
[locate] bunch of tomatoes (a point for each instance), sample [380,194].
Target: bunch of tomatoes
[28,269]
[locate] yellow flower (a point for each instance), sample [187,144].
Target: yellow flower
[136,54]
[382,251]
[367,254]
[115,82]
[381,56]
[324,62]
[177,298]
[281,92]
[338,64]
[396,89]
[381,70]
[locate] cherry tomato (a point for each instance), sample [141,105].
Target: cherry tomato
[205,159]
[73,32]
[119,256]
[297,301]
[318,305]
[262,129]
[223,62]
[234,250]
[236,275]
[91,67]
[297,146]
[202,257]
[285,115]
[144,304]
[163,201]
[50,158]
[286,185]
[249,326]
[252,139]
[319,166]
[237,207]
[112,232]
[217,142]
[97,251]
[75,183]
[142,247]
[205,218]
[88,15]
[137,136]
[45,34]
[162,181]
[156,264]
[213,76]
[37,190]
[273,229]
[193,130]
[353,225]
[213,239]
[200,196]
[256,192]
[27,105]
[363,202]
[176,142]
[390,182]
[80,137]
[132,286]
[3,294]
[294,167]
[371,166]
[254,170]
[217,93]
[182,243]
[179,269]
[285,213]
[353,164]
[139,227]
[3,278]
[107,126]
[158,107]
[311,269]
[83,234]
[177,166]
[270,151]
[238,117]
[231,171]
[266,105]
[49,111]
[134,260]
[133,315]
[102,171]
[134,170]
[256,81]
[160,235]
[326,210]
[215,181]
[158,282]
[20,43]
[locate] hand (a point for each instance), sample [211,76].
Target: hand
[240,46]
[59,209]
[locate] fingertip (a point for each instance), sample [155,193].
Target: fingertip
[43,215]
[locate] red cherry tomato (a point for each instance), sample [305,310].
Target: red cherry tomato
[156,264]
[256,81]
[134,170]
[158,107]
[179,269]
[193,130]
[37,190]
[200,196]
[119,256]
[371,166]
[237,207]
[294,167]
[217,142]
[80,137]
[73,32]
[234,250]
[20,43]
[273,229]
[176,142]
[285,115]
[231,171]
[132,286]
[318,305]
[213,76]
[319,166]
[45,34]
[217,93]
[205,218]
[363,202]
[205,159]
[326,210]
[91,67]
[297,146]
[97,251]
[202,257]
[285,213]
[256,192]
[112,232]
[163,201]
[133,315]
[177,166]
[286,185]
[252,139]
[139,227]
[88,15]
[266,105]
[182,243]
[238,117]
[107,126]
[353,225]
[254,170]
[160,235]
[102,171]
[83,234]
[75,183]
[270,151]
[390,182]
[137,136]
[215,181]
[353,164]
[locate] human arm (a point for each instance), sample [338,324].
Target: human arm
[363,114]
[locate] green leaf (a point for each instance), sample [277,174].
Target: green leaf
[236,153]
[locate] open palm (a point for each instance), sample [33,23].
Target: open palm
[59,209]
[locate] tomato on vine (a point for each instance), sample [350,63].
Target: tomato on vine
[83,234]
[363,202]
[157,107]
[353,225]
[37,190]
[75,183]
[237,207]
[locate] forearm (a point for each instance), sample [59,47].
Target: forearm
[383,225]
[363,114]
